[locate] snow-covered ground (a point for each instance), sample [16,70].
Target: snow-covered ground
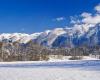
[51,70]
[66,58]
[48,74]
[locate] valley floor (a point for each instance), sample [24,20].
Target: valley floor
[65,70]
[48,74]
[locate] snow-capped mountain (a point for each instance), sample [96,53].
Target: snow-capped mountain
[20,37]
[58,37]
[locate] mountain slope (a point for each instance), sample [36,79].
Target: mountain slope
[59,37]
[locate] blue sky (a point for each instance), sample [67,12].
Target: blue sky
[30,16]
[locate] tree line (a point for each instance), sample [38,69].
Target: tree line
[35,52]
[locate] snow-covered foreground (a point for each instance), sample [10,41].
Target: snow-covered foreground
[66,70]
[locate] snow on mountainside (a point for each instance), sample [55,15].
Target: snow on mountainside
[54,34]
[58,37]
[21,37]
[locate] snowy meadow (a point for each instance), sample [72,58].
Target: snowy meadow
[42,70]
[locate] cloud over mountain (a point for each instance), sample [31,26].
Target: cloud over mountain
[87,19]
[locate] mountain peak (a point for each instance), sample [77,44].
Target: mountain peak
[58,36]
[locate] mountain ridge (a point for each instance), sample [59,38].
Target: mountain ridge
[58,37]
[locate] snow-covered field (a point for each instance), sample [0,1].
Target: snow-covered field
[51,70]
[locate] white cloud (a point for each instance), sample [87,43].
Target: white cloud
[85,14]
[91,19]
[86,20]
[97,8]
[59,19]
